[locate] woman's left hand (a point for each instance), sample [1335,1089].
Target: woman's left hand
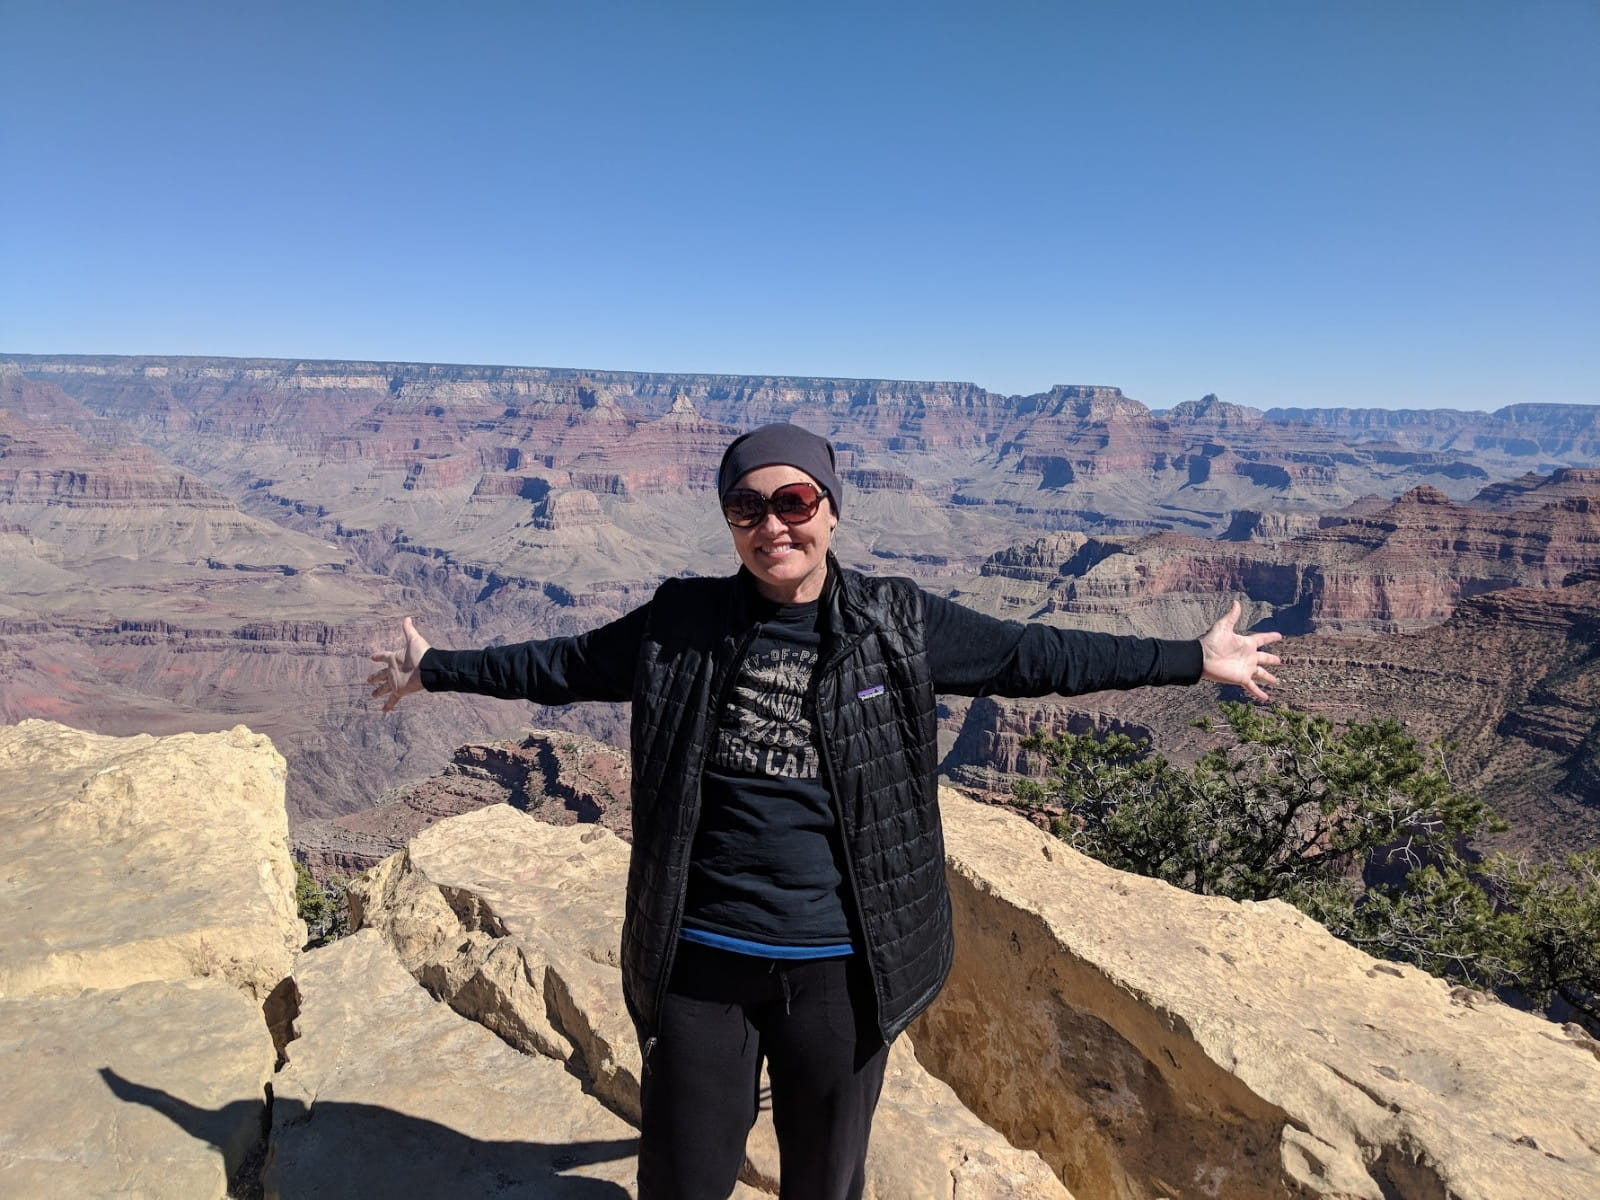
[1237,658]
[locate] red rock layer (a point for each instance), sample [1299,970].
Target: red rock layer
[34,470]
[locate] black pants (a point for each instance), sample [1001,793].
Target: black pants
[813,1021]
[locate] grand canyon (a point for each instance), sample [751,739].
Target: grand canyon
[196,542]
[192,546]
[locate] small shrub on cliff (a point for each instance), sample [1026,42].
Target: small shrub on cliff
[1357,826]
[1556,951]
[1531,927]
[1291,801]
[325,910]
[1439,918]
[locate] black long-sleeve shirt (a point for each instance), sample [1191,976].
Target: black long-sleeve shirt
[969,654]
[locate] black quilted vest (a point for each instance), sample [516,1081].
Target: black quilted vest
[876,728]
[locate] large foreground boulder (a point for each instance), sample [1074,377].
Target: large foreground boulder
[1141,1041]
[1149,1043]
[146,955]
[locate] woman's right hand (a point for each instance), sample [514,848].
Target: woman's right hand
[402,669]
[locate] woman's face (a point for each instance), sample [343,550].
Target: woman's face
[790,562]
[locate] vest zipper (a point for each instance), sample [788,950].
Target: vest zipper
[824,732]
[682,897]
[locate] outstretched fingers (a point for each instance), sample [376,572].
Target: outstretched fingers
[389,684]
[401,673]
[1259,677]
[1239,658]
[389,689]
[391,663]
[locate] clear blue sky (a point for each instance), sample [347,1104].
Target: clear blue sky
[1378,202]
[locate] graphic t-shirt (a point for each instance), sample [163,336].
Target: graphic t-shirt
[766,860]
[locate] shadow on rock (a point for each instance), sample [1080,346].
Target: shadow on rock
[337,1149]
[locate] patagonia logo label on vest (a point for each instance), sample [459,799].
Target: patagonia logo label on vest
[869,693]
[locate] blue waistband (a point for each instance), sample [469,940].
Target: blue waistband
[721,941]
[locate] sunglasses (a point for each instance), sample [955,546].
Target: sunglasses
[793,504]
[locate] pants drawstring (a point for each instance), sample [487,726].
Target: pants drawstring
[783,982]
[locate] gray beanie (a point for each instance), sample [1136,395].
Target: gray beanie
[786,444]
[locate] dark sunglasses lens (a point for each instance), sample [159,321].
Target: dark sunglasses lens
[796,503]
[744,509]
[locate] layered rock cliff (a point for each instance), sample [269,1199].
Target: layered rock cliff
[197,542]
[1509,685]
[561,778]
[1372,569]
[138,597]
[1553,431]
[1089,457]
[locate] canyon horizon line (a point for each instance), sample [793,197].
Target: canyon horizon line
[403,366]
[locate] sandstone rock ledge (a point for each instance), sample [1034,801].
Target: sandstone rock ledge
[149,938]
[389,1093]
[1102,1036]
[1149,1043]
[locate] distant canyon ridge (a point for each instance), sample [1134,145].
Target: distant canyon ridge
[190,543]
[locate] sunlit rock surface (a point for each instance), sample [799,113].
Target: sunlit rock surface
[1101,1035]
[1148,1043]
[145,958]
[389,1093]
